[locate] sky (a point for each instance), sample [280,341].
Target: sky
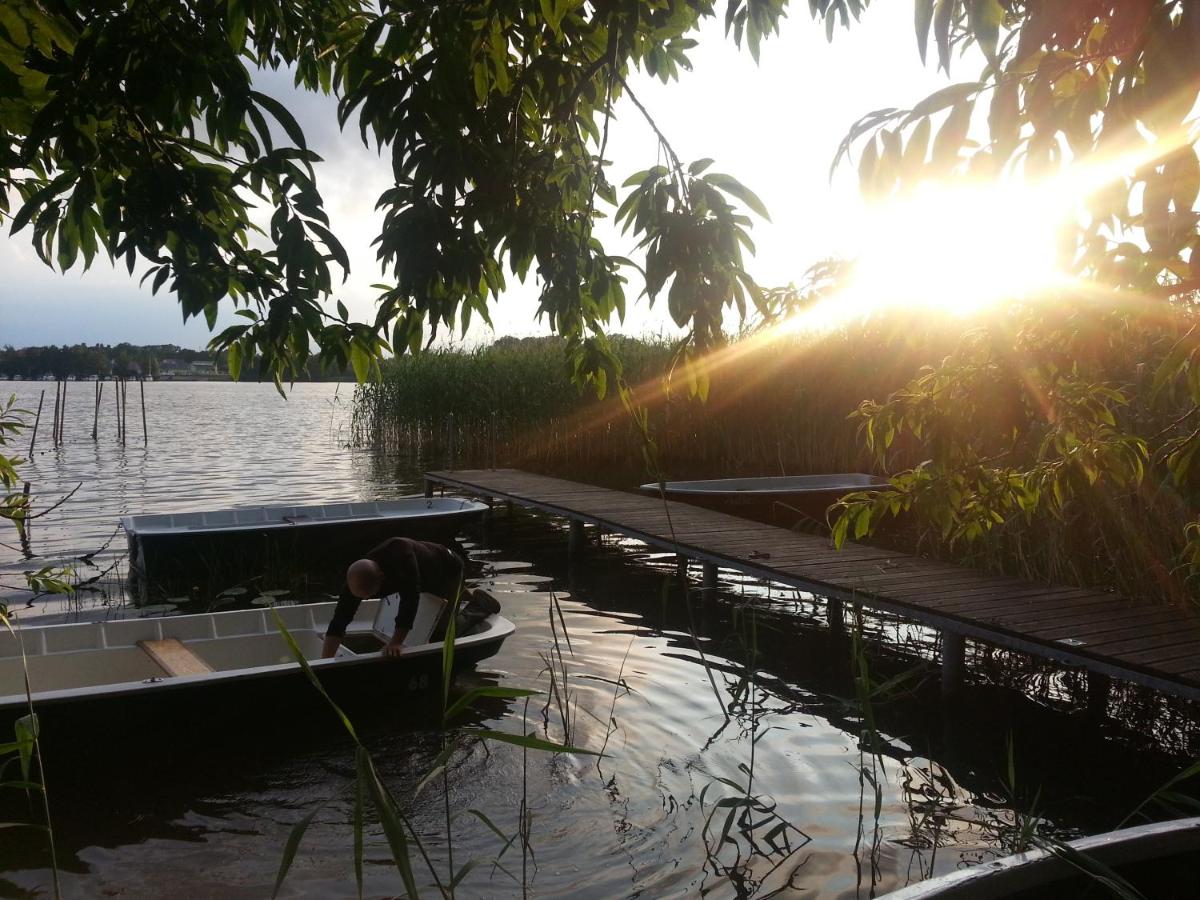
[774,126]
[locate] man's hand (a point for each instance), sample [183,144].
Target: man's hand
[329,648]
[395,646]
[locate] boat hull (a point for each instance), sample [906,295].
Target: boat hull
[193,559]
[99,685]
[1158,860]
[798,501]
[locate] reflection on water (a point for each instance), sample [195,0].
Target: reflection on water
[733,763]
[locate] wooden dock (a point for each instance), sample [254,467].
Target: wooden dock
[1152,645]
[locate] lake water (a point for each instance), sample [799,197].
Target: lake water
[733,764]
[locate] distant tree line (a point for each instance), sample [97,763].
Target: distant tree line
[124,360]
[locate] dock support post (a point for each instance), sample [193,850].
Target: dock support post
[1099,686]
[835,615]
[709,585]
[576,537]
[681,566]
[953,662]
[428,488]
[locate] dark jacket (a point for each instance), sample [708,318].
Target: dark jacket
[409,567]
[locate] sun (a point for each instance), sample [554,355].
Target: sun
[961,248]
[952,249]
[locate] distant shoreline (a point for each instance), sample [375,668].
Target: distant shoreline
[222,376]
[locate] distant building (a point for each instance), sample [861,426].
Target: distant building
[171,367]
[202,367]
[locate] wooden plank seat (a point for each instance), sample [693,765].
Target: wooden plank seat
[174,658]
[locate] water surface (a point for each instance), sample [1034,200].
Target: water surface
[733,762]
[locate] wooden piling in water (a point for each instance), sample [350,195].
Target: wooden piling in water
[576,536]
[835,615]
[96,411]
[142,392]
[117,406]
[23,524]
[36,421]
[953,662]
[54,427]
[1099,689]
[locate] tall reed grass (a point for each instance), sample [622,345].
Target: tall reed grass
[775,409]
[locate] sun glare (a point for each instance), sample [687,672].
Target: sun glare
[959,249]
[953,250]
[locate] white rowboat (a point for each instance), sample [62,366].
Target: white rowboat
[101,664]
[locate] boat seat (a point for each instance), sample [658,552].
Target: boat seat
[429,613]
[174,658]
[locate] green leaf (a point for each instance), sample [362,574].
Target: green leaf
[943,18]
[298,655]
[390,818]
[283,116]
[451,614]
[26,729]
[984,18]
[944,98]
[360,360]
[951,135]
[467,699]
[235,360]
[290,848]
[924,18]
[735,188]
[359,796]
[528,741]
[867,165]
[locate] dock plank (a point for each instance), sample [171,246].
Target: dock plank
[1153,645]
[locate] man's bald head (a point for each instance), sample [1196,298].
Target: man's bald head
[364,578]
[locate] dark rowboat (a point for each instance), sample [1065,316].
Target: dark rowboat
[782,500]
[171,552]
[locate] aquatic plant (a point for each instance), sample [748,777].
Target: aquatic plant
[26,749]
[397,827]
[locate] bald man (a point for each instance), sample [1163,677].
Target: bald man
[397,566]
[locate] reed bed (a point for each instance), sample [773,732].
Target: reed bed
[779,409]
